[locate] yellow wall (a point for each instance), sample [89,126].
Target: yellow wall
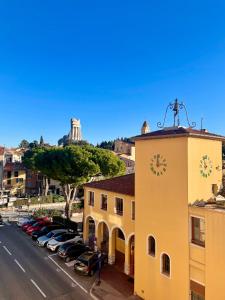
[198,186]
[162,210]
[215,255]
[209,262]
[110,217]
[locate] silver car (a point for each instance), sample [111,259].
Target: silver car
[43,240]
[54,244]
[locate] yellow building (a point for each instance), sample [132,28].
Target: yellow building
[14,178]
[179,247]
[109,217]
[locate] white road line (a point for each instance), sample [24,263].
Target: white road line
[16,261]
[7,250]
[37,287]
[70,264]
[77,283]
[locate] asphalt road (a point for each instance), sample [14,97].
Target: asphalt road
[30,273]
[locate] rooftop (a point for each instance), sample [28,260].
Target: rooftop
[121,184]
[178,131]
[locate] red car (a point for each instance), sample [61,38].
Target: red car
[36,226]
[30,223]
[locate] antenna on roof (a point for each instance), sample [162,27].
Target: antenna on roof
[201,123]
[176,107]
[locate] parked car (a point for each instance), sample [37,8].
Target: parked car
[23,220]
[36,226]
[43,240]
[27,224]
[71,250]
[54,244]
[32,221]
[87,263]
[44,230]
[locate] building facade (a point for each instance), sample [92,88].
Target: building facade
[177,243]
[109,219]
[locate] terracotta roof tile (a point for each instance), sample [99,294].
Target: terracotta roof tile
[179,131]
[121,184]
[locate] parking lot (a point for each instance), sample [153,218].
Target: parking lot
[31,272]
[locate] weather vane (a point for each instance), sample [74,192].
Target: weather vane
[176,107]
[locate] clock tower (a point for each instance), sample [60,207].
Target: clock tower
[175,167]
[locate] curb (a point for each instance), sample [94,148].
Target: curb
[91,293]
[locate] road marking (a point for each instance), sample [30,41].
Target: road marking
[70,264]
[16,261]
[77,283]
[7,250]
[37,287]
[52,255]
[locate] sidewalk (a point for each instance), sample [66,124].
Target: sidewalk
[114,285]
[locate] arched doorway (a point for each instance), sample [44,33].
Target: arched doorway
[118,247]
[90,232]
[103,237]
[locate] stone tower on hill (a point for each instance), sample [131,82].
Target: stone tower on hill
[145,128]
[75,132]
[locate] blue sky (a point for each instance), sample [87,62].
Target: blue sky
[113,64]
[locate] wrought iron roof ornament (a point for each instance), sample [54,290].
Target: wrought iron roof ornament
[176,107]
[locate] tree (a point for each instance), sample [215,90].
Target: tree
[34,144]
[75,165]
[106,145]
[24,144]
[30,162]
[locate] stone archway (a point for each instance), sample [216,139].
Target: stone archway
[117,248]
[103,237]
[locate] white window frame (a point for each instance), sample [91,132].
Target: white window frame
[104,194]
[147,249]
[88,198]
[161,265]
[115,210]
[190,230]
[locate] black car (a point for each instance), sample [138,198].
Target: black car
[70,250]
[44,230]
[88,263]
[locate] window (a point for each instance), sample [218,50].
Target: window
[91,198]
[133,210]
[9,181]
[197,291]
[104,202]
[198,231]
[9,174]
[165,264]
[119,206]
[16,174]
[151,246]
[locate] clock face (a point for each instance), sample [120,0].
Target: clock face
[158,165]
[205,166]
